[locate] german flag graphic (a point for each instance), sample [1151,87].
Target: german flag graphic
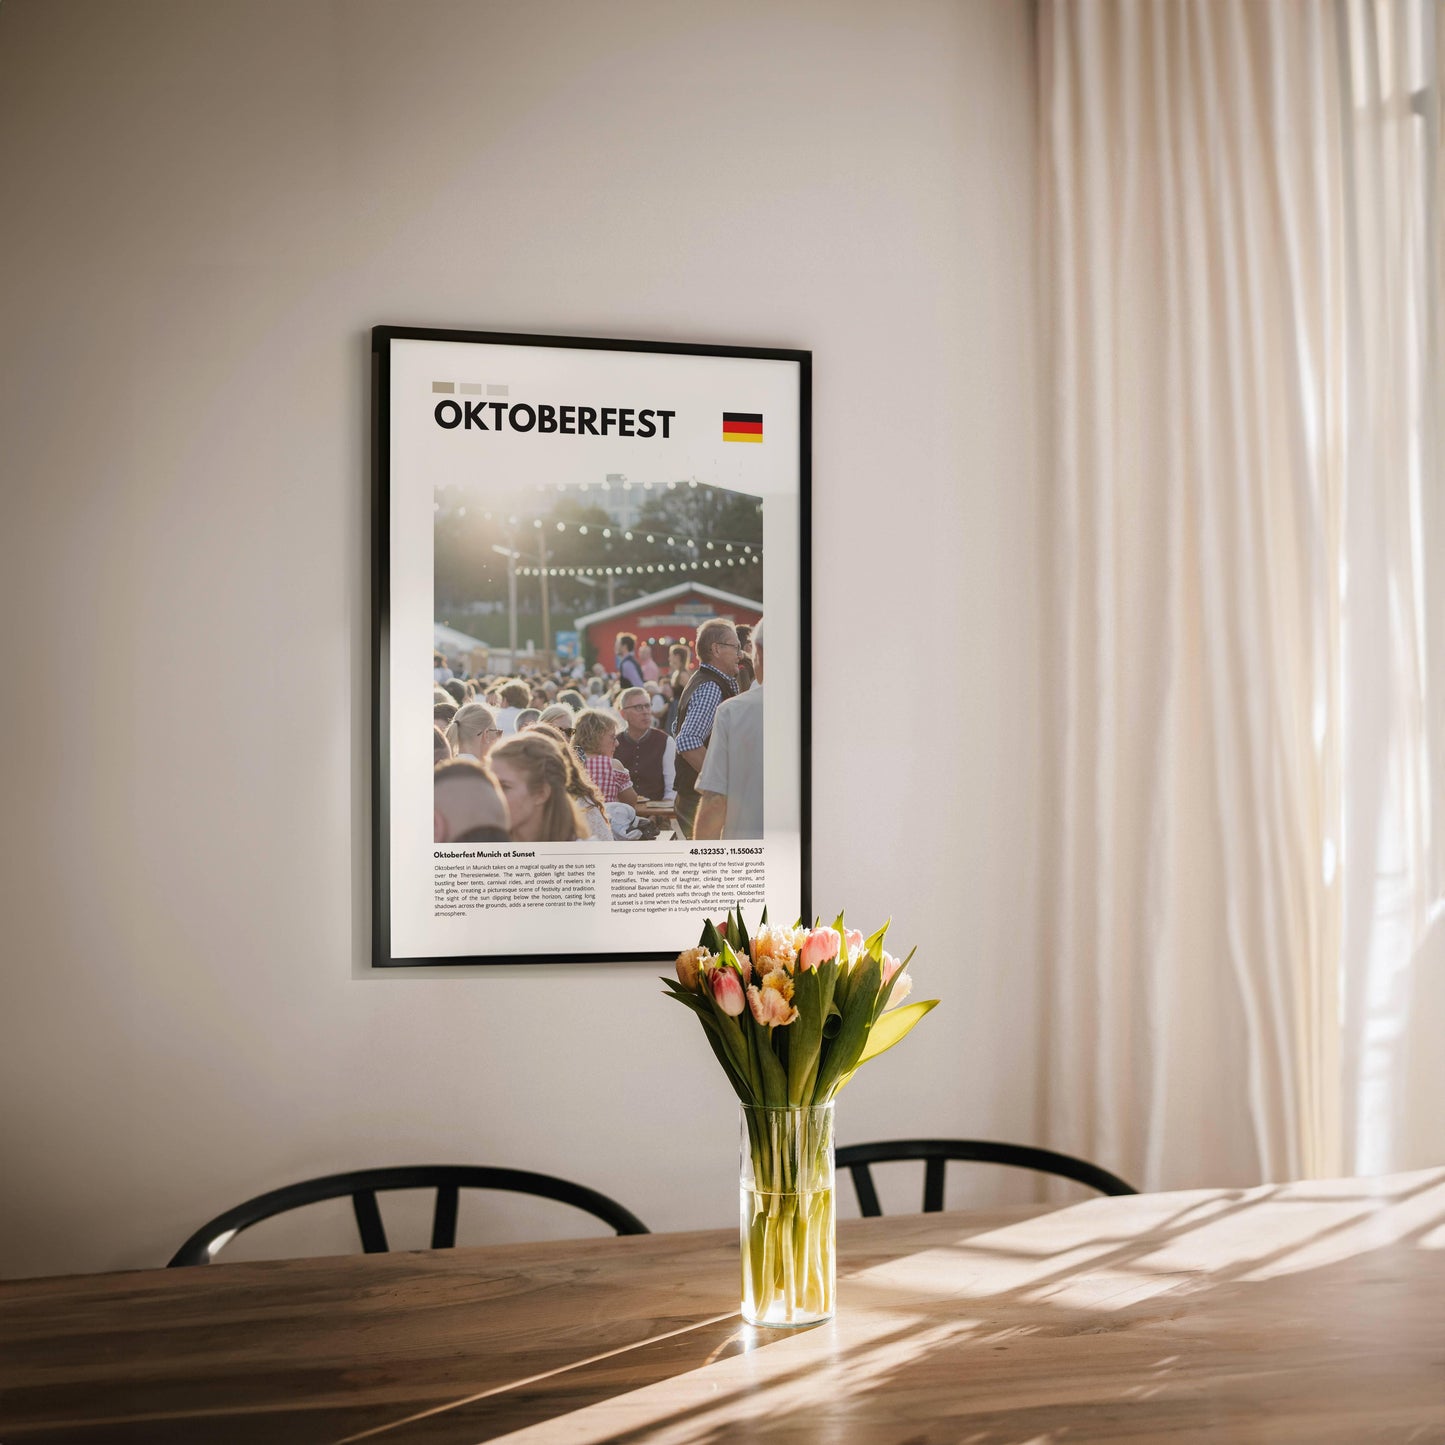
[742,426]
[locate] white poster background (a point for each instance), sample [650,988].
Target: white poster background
[425,457]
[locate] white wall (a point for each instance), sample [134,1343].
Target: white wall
[205,209]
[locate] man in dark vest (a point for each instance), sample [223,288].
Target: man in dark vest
[718,654]
[628,667]
[645,751]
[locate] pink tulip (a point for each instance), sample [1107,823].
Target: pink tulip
[770,1008]
[896,986]
[854,940]
[820,945]
[727,991]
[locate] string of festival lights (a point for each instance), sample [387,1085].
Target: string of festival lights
[734,553]
[752,551]
[640,568]
[626,534]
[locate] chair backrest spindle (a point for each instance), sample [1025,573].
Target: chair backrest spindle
[933,1185]
[444,1221]
[868,1204]
[368,1221]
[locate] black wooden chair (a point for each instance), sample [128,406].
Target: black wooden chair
[856,1158]
[363,1186]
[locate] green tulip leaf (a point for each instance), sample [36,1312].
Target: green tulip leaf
[775,1078]
[804,1036]
[842,1055]
[893,1027]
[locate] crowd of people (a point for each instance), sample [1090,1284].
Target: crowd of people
[567,755]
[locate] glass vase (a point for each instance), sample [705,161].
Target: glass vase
[787,1221]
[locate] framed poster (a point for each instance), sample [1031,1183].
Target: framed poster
[591,565]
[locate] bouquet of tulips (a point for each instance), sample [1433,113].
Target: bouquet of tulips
[791,1014]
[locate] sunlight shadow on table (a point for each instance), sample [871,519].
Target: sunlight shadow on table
[1216,1315]
[689,1347]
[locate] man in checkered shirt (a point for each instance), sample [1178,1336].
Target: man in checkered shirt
[715,680]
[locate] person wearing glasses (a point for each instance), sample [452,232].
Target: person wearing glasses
[645,751]
[473,732]
[558,716]
[731,781]
[713,682]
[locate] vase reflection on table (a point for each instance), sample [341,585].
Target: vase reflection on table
[791,1014]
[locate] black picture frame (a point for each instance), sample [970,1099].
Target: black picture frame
[383,339]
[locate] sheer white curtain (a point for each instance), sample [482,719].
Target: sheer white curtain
[1245,879]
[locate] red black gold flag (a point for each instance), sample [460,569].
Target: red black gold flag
[742,426]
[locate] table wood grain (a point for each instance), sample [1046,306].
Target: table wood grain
[1311,1312]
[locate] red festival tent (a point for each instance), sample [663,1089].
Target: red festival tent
[674,613]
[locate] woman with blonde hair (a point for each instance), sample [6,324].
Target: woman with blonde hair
[473,731]
[581,787]
[595,738]
[531,769]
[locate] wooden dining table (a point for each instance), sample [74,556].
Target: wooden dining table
[1308,1312]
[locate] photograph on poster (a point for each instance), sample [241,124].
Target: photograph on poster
[591,560]
[628,582]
